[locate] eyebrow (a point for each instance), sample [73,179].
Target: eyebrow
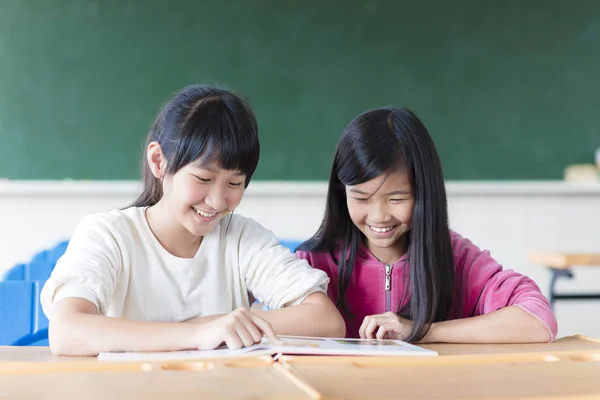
[215,170]
[395,192]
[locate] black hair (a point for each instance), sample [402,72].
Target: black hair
[374,143]
[205,123]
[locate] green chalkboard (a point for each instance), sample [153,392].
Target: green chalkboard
[508,89]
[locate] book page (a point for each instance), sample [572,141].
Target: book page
[343,346]
[222,352]
[291,345]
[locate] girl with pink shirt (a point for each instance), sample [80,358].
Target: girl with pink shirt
[397,271]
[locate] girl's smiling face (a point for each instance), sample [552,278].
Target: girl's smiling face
[201,195]
[382,210]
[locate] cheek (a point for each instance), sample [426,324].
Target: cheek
[234,198]
[407,215]
[190,194]
[357,214]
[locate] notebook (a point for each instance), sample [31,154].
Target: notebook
[292,345]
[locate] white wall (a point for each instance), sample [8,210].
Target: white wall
[508,218]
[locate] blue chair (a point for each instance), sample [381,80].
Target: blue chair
[16,273]
[39,268]
[291,244]
[22,322]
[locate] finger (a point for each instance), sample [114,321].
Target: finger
[251,327]
[233,341]
[244,335]
[371,328]
[382,332]
[266,328]
[363,327]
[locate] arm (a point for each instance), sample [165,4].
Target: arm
[318,315]
[315,316]
[496,306]
[78,294]
[291,288]
[486,289]
[507,325]
[76,329]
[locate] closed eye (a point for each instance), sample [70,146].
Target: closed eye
[360,199]
[203,180]
[236,184]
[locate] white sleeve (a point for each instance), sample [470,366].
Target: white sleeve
[272,272]
[89,269]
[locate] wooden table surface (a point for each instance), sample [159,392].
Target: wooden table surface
[566,369]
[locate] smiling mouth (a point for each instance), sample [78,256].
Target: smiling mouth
[205,214]
[381,229]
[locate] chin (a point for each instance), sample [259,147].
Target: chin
[199,231]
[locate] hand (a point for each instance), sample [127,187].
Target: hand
[240,328]
[385,326]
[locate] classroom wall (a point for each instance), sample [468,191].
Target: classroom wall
[509,218]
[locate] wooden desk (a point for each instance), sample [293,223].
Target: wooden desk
[22,375]
[566,345]
[566,369]
[464,377]
[560,266]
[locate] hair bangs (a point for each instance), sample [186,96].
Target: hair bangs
[369,149]
[213,135]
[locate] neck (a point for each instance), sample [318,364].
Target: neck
[388,255]
[171,235]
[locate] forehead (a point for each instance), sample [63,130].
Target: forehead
[383,184]
[213,168]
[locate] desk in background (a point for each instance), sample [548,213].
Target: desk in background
[561,266]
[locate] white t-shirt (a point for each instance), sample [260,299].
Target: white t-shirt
[114,260]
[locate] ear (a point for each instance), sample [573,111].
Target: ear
[156,160]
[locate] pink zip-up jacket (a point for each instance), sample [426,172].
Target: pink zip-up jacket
[482,286]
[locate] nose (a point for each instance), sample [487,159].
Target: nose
[216,198]
[378,213]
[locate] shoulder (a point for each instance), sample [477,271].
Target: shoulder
[244,235]
[470,259]
[461,245]
[113,219]
[240,227]
[114,225]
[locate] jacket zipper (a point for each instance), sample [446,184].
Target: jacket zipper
[388,287]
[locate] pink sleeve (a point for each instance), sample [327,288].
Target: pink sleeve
[487,287]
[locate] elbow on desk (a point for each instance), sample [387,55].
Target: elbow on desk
[337,326]
[65,342]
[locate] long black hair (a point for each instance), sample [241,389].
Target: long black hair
[374,143]
[201,122]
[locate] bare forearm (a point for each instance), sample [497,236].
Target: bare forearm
[507,325]
[316,316]
[204,319]
[86,335]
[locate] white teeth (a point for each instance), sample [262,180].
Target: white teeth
[205,215]
[381,230]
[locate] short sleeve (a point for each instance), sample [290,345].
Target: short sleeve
[89,269]
[272,272]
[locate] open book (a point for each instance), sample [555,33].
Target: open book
[291,345]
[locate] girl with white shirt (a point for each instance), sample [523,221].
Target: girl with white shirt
[177,270]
